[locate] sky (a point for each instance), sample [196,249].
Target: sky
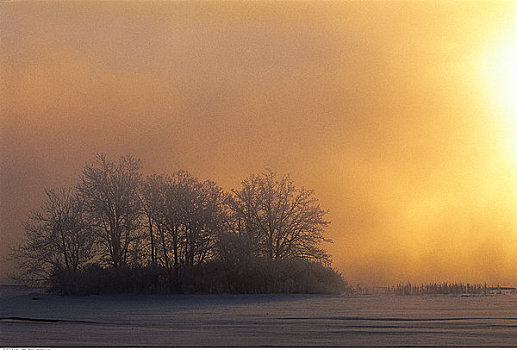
[401,115]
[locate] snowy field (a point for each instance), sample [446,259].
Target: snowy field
[32,319]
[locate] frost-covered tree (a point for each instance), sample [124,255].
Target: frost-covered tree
[186,215]
[285,221]
[110,192]
[59,238]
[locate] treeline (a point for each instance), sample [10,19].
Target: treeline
[442,288]
[116,231]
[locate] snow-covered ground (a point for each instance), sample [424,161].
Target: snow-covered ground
[32,319]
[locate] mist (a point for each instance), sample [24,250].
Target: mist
[376,106]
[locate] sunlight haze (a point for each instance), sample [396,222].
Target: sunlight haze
[401,115]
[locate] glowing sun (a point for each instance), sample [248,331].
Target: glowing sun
[499,69]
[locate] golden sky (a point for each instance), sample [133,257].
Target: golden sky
[402,115]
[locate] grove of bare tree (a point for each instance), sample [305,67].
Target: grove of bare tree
[119,231]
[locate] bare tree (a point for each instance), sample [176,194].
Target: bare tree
[203,219]
[152,197]
[284,220]
[161,219]
[186,215]
[111,194]
[58,238]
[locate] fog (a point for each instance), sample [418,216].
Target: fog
[378,106]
